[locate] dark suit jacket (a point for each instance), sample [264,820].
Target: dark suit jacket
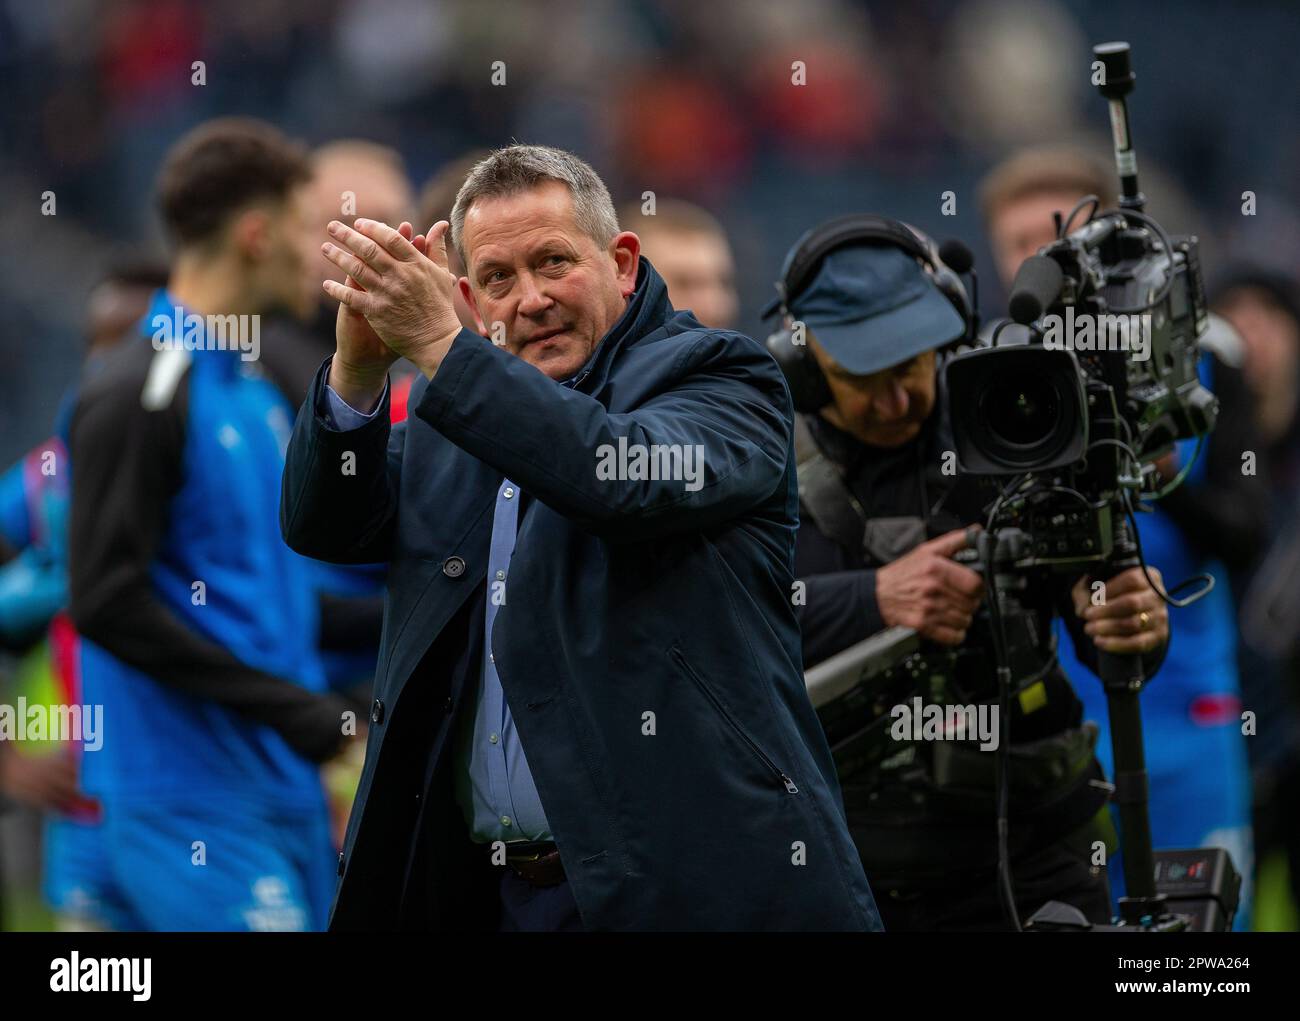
[625,598]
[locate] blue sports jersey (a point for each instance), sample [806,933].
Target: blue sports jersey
[224,570]
[33,521]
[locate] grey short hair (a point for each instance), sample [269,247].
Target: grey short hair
[518,168]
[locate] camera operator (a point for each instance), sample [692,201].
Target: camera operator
[883,512]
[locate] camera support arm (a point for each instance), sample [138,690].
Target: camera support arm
[1122,678]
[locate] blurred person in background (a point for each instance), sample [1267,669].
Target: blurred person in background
[437,198]
[33,509]
[1263,306]
[34,492]
[199,625]
[690,249]
[350,177]
[1213,523]
[34,497]
[1021,194]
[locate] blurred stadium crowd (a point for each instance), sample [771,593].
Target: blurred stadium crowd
[904,104]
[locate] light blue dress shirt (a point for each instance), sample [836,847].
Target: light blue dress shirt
[494,786]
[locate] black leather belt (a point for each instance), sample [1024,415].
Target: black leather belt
[536,862]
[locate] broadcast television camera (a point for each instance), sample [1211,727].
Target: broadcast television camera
[1077,419]
[1105,383]
[1101,382]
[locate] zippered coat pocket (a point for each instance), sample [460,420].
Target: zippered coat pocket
[764,759]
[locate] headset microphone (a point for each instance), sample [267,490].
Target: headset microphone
[958,258]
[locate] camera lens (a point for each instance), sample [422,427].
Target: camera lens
[1021,412]
[1016,409]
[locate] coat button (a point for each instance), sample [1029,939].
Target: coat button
[453,567]
[340,863]
[377,712]
[447,705]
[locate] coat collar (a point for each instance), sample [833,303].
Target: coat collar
[647,310]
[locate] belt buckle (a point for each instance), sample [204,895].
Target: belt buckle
[528,866]
[512,852]
[529,857]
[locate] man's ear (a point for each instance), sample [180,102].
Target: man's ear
[467,293]
[626,250]
[251,234]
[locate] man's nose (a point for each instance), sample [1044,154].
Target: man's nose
[533,301]
[892,401]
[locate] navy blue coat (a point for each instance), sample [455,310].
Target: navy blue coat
[625,598]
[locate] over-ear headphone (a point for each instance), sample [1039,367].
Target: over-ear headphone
[808,387]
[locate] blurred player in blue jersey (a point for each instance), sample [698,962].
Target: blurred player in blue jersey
[199,625]
[34,497]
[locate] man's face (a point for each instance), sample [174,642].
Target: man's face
[284,248]
[698,271]
[1269,336]
[347,186]
[114,307]
[883,409]
[1020,227]
[554,291]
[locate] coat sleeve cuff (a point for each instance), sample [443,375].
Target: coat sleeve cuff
[334,413]
[439,396]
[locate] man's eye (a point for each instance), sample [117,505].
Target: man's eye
[496,276]
[553,259]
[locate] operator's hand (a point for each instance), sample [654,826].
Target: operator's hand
[1131,618]
[926,591]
